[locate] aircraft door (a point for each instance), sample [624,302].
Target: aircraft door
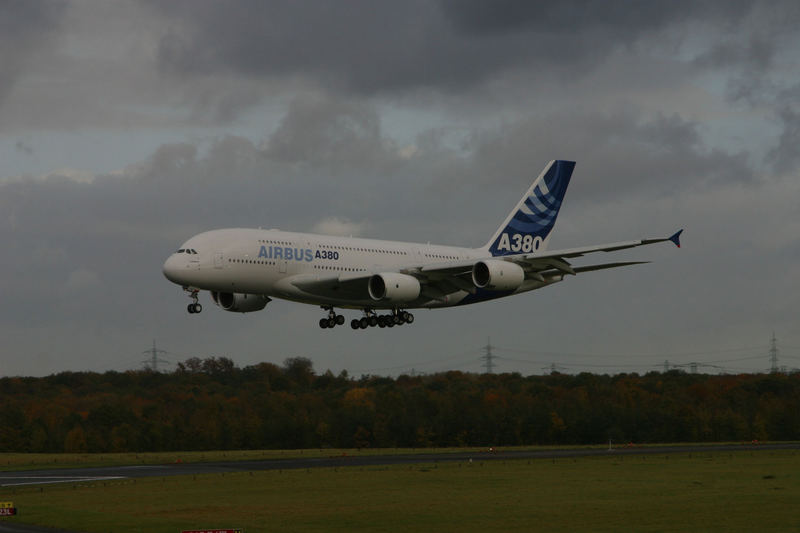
[218,260]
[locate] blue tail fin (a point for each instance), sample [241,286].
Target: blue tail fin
[527,228]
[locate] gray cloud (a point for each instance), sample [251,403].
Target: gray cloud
[619,154]
[785,157]
[26,27]
[375,47]
[23,147]
[332,133]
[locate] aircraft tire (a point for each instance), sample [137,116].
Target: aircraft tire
[373,321]
[354,324]
[339,320]
[364,323]
[331,323]
[409,318]
[323,323]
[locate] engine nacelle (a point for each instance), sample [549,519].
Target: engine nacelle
[393,287]
[240,303]
[497,275]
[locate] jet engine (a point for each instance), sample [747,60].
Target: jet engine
[393,287]
[240,303]
[497,275]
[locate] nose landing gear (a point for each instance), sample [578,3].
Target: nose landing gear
[195,306]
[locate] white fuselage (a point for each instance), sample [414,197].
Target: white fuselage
[267,262]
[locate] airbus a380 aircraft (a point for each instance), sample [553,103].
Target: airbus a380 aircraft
[245,268]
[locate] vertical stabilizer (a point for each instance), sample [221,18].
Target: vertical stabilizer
[527,228]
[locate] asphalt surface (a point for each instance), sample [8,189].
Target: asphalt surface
[85,475]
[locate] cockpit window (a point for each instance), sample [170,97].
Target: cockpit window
[193,251]
[181,251]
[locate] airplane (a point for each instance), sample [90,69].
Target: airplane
[244,269]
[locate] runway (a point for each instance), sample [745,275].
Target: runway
[87,475]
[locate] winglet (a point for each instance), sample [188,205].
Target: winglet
[676,239]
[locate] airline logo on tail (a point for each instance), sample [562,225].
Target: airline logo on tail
[528,227]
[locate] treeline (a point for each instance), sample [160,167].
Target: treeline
[212,404]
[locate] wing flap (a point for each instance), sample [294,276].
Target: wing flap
[592,268]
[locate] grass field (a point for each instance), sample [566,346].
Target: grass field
[738,491]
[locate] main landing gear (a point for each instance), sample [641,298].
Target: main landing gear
[370,320]
[333,319]
[195,306]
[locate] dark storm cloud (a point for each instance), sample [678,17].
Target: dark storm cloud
[785,157]
[25,28]
[23,147]
[372,47]
[619,154]
[330,132]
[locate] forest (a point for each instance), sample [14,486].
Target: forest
[213,404]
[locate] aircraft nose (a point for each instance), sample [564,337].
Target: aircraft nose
[171,268]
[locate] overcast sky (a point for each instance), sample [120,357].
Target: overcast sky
[128,127]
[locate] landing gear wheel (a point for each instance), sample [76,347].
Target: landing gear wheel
[193,307]
[395,319]
[373,321]
[331,323]
[364,323]
[339,320]
[404,315]
[409,318]
[323,323]
[382,321]
[355,324]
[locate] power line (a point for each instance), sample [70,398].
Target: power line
[153,361]
[488,358]
[631,355]
[773,354]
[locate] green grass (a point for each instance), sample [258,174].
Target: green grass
[710,491]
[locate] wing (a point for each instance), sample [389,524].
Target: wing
[538,266]
[443,278]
